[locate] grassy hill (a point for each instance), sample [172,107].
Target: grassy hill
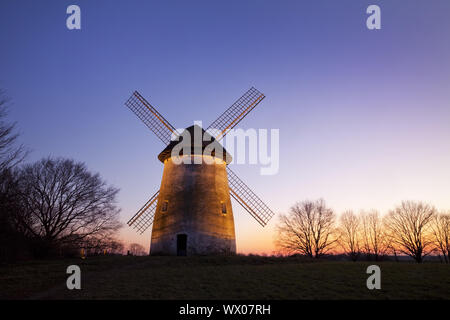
[238,277]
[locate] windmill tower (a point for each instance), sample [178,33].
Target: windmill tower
[191,213]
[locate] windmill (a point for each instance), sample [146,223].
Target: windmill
[191,213]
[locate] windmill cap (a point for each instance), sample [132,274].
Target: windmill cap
[196,140]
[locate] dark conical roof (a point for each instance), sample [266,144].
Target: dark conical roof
[199,140]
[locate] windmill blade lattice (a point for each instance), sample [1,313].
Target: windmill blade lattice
[234,114]
[143,219]
[248,199]
[151,117]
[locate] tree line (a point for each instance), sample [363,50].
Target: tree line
[52,206]
[413,228]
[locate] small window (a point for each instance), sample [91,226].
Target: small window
[224,208]
[165,205]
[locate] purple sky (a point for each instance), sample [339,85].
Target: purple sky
[364,116]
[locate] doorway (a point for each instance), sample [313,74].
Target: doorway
[181,244]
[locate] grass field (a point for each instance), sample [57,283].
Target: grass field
[238,277]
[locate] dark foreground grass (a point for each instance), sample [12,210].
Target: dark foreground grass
[222,278]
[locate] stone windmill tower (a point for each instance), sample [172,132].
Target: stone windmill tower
[191,213]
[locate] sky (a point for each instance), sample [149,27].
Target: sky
[363,115]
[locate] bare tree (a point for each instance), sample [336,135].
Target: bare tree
[441,233]
[96,245]
[137,250]
[408,228]
[62,202]
[12,242]
[373,237]
[349,234]
[308,229]
[10,153]
[116,247]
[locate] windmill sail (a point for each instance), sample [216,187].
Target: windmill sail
[151,117]
[234,114]
[248,199]
[143,219]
